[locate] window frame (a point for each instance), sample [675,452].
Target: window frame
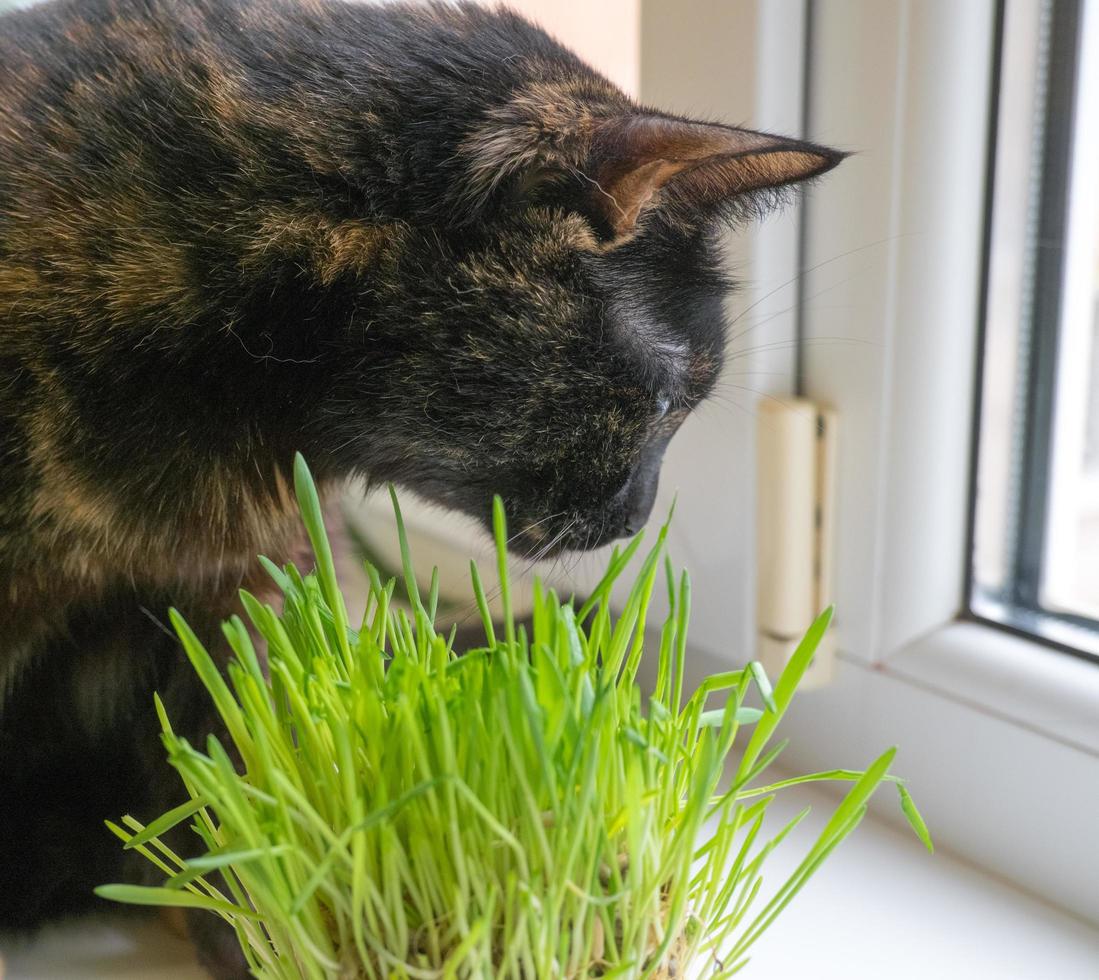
[972,707]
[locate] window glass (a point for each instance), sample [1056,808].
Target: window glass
[1036,517]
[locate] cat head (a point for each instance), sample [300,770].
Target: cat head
[554,313]
[555,334]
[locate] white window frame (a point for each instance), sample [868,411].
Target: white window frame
[999,734]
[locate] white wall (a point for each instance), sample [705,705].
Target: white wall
[606,33]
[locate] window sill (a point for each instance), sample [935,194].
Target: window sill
[997,740]
[112,948]
[881,906]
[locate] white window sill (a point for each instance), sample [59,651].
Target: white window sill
[881,906]
[991,747]
[122,948]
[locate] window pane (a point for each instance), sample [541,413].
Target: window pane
[1024,61]
[1036,519]
[1072,564]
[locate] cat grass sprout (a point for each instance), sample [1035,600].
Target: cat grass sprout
[519,810]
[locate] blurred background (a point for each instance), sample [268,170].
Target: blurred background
[939,293]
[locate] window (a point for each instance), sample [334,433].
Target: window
[892,297]
[1036,520]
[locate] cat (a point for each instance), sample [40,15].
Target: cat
[421,243]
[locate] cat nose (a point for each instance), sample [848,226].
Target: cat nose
[639,504]
[637,497]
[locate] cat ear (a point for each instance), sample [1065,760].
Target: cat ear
[691,169]
[613,163]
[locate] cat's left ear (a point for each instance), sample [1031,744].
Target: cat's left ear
[690,169]
[614,167]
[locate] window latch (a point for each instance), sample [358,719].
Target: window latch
[794,530]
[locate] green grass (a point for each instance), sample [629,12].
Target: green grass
[519,810]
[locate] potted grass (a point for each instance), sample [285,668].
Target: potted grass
[520,809]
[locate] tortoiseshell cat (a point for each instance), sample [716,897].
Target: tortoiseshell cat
[422,243]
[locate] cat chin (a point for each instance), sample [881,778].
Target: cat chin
[531,536]
[540,540]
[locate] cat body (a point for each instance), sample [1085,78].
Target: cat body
[424,244]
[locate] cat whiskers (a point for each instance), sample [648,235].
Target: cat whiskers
[796,279]
[531,527]
[543,550]
[531,558]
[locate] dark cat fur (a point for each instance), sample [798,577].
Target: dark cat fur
[425,244]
